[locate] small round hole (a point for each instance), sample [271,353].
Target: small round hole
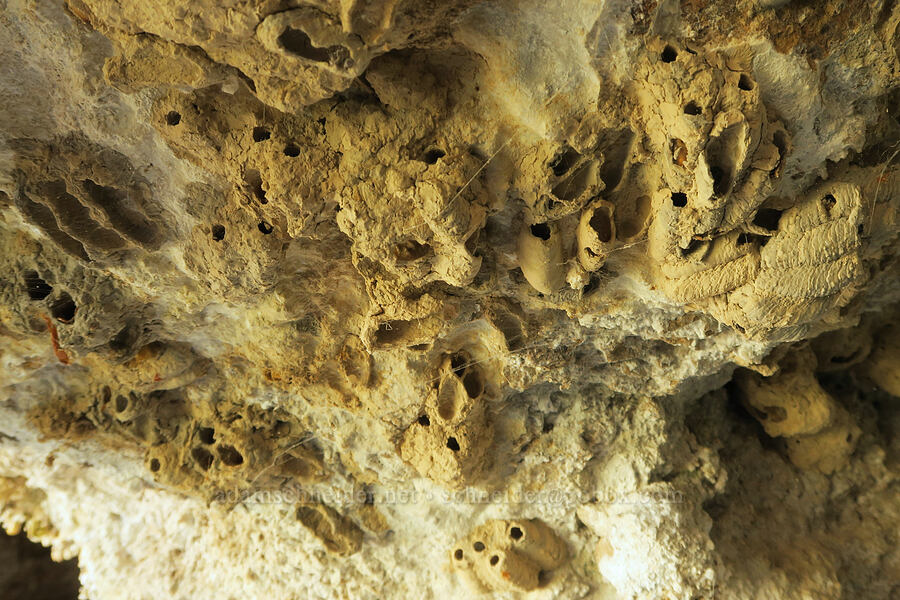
[541,230]
[230,456]
[478,546]
[265,227]
[63,308]
[424,421]
[745,83]
[669,54]
[679,199]
[494,560]
[218,232]
[37,288]
[432,156]
[261,134]
[154,465]
[207,435]
[459,362]
[692,108]
[515,533]
[453,444]
[203,457]
[292,150]
[458,555]
[173,118]
[565,160]
[767,218]
[121,403]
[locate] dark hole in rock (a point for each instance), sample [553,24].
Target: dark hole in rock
[207,435]
[265,227]
[494,560]
[745,83]
[828,203]
[720,153]
[515,533]
[281,429]
[218,232]
[261,134]
[203,457]
[395,332]
[541,230]
[473,383]
[292,150]
[744,238]
[691,108]
[453,444]
[63,308]
[695,246]
[124,339]
[37,288]
[602,224]
[615,158]
[720,182]
[121,403]
[767,218]
[679,199]
[478,546]
[433,155]
[154,465]
[576,183]
[411,250]
[297,42]
[230,456]
[424,421]
[458,555]
[173,118]
[459,362]
[254,181]
[669,54]
[564,161]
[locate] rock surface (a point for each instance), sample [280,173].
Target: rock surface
[304,299]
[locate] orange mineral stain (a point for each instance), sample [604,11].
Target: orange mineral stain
[54,339]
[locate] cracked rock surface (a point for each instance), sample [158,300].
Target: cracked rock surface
[460,298]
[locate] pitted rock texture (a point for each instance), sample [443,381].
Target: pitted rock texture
[316,299]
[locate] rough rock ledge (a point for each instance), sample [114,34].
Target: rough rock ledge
[447,298]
